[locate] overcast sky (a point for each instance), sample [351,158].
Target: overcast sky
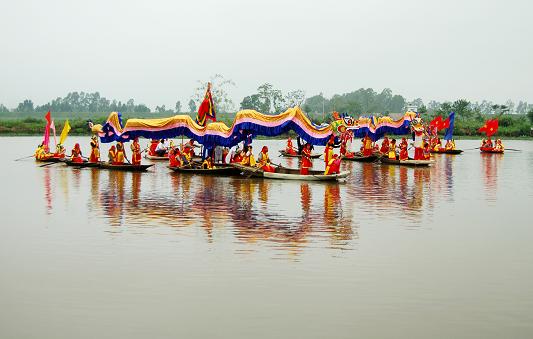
[155,51]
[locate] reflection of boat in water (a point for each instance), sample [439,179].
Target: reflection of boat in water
[447,151]
[409,162]
[287,154]
[225,170]
[290,174]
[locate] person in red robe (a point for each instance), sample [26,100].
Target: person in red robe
[384,150]
[368,149]
[153,146]
[136,152]
[76,155]
[427,151]
[264,161]
[95,150]
[306,163]
[404,155]
[290,148]
[333,166]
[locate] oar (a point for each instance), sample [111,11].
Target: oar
[471,149]
[512,149]
[50,163]
[29,156]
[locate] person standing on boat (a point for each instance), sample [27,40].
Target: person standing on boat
[368,149]
[112,154]
[403,143]
[135,152]
[161,149]
[225,152]
[427,151]
[306,163]
[76,156]
[95,150]
[264,160]
[418,137]
[392,150]
[328,152]
[121,154]
[384,150]
[404,155]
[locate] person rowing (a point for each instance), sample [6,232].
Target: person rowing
[333,166]
[248,158]
[76,156]
[404,155]
[384,146]
[112,154]
[60,151]
[208,163]
[264,161]
[450,145]
[174,157]
[499,146]
[290,148]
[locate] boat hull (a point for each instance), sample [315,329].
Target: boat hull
[283,173]
[83,164]
[125,167]
[228,170]
[450,151]
[156,157]
[490,150]
[360,158]
[410,162]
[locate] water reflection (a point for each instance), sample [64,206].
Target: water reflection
[286,215]
[490,164]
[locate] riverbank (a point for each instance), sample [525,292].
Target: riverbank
[511,127]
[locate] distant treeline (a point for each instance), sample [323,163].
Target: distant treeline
[515,120]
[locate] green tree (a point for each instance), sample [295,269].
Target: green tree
[178,106]
[25,107]
[192,106]
[3,109]
[251,102]
[530,115]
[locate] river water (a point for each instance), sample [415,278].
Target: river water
[392,252]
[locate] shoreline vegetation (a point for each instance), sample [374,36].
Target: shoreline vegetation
[511,126]
[28,119]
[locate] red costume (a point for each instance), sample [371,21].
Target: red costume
[367,146]
[403,153]
[333,166]
[174,158]
[153,146]
[384,146]
[264,160]
[76,154]
[306,160]
[290,148]
[136,152]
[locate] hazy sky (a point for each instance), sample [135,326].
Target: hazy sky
[155,51]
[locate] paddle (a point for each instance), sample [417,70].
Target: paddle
[471,149]
[512,149]
[29,156]
[50,163]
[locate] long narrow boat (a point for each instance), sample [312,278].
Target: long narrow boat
[225,170]
[50,159]
[409,162]
[83,164]
[125,167]
[284,153]
[361,158]
[156,157]
[449,151]
[284,173]
[491,150]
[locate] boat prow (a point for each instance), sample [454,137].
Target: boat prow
[362,158]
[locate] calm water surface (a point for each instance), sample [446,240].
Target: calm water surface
[392,252]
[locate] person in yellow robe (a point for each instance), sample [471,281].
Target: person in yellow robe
[136,152]
[248,158]
[392,150]
[121,154]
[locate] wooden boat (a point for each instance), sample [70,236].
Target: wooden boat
[156,157]
[51,159]
[491,150]
[83,164]
[218,170]
[284,173]
[450,151]
[284,153]
[361,158]
[125,167]
[410,162]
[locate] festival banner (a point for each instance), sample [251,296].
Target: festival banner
[64,132]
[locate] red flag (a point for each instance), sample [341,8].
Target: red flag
[207,108]
[436,122]
[46,138]
[48,118]
[490,128]
[445,124]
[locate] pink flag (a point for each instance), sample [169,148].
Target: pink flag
[53,128]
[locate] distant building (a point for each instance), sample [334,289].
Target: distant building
[411,108]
